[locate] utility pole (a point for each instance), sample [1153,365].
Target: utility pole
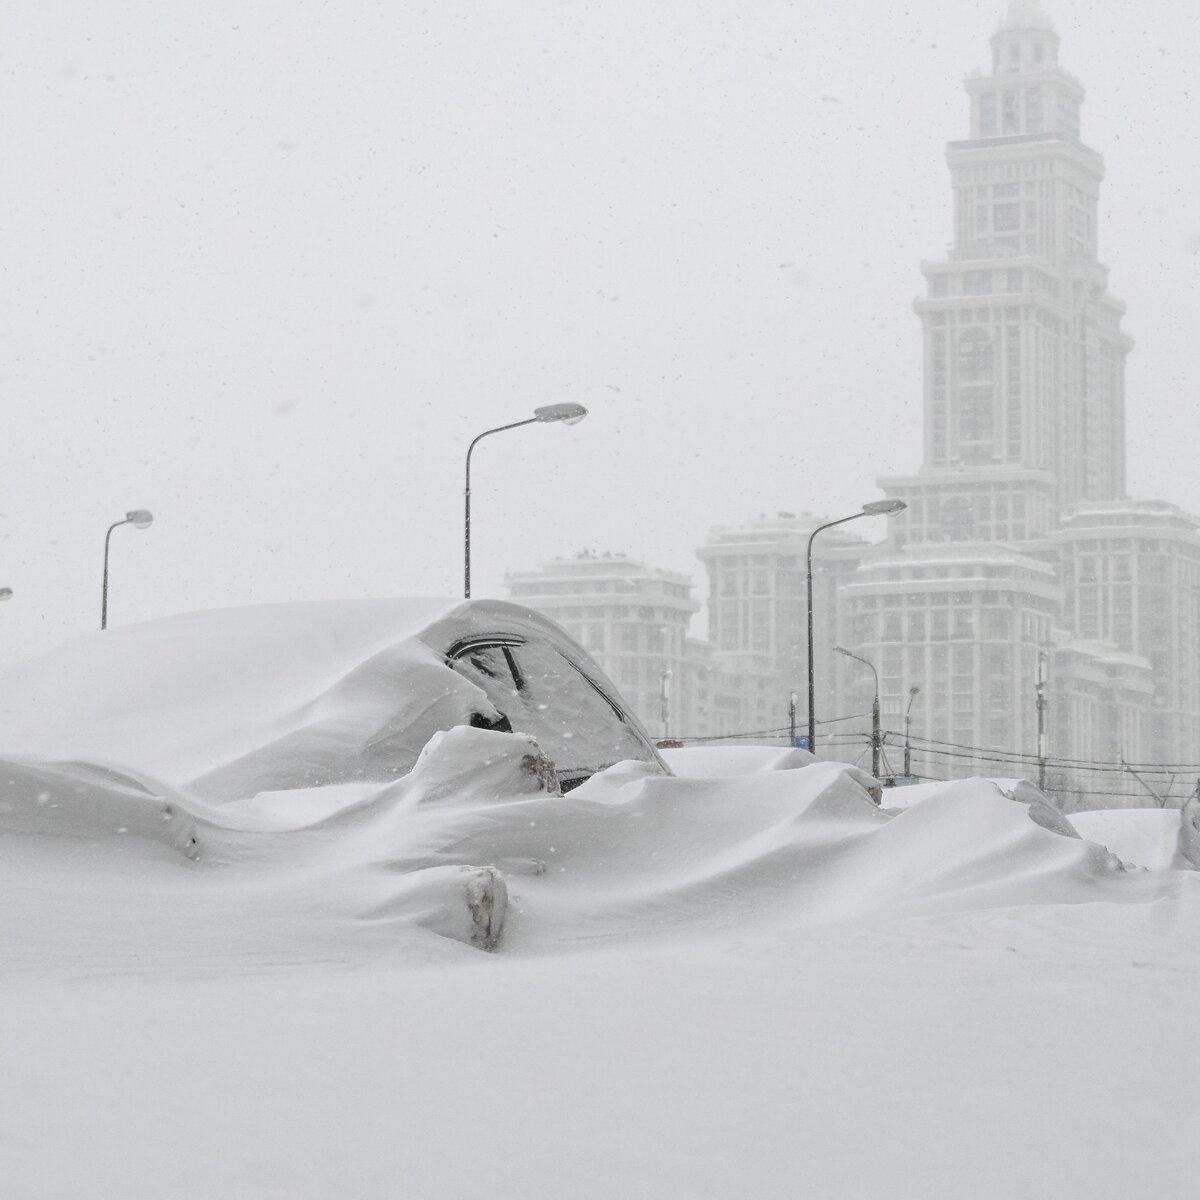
[913,692]
[1043,659]
[792,701]
[876,736]
[664,696]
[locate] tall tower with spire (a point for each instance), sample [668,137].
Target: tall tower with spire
[1024,393]
[1019,551]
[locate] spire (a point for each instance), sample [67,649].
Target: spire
[1024,41]
[1025,14]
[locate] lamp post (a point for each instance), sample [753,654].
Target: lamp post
[1043,662]
[568,414]
[139,518]
[876,508]
[876,740]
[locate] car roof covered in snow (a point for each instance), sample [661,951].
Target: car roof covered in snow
[187,695]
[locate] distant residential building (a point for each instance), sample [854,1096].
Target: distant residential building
[731,696]
[963,622]
[758,604]
[1101,709]
[1131,577]
[633,619]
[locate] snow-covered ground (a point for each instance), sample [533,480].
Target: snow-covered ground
[742,981]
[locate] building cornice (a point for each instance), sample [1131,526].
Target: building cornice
[1032,145]
[977,81]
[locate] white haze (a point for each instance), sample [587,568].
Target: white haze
[269,268]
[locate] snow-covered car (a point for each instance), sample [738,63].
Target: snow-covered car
[537,680]
[234,702]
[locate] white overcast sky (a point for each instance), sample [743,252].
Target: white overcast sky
[268,268]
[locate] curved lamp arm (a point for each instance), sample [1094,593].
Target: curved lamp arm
[139,518]
[866,662]
[566,414]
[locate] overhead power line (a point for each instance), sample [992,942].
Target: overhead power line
[1073,763]
[932,749]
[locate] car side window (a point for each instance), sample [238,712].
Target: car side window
[491,669]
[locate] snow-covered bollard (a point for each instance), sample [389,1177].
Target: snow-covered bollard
[487,902]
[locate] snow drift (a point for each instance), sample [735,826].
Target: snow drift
[253,775]
[1147,837]
[477,844]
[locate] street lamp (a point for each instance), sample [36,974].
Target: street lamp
[876,740]
[912,695]
[876,508]
[139,518]
[567,414]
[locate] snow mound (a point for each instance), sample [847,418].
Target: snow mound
[97,804]
[477,845]
[262,877]
[907,795]
[720,762]
[1041,808]
[1146,837]
[630,856]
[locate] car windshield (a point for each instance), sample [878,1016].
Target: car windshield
[542,693]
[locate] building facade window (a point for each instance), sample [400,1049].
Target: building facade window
[987,114]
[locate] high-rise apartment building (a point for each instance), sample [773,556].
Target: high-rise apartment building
[1018,541]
